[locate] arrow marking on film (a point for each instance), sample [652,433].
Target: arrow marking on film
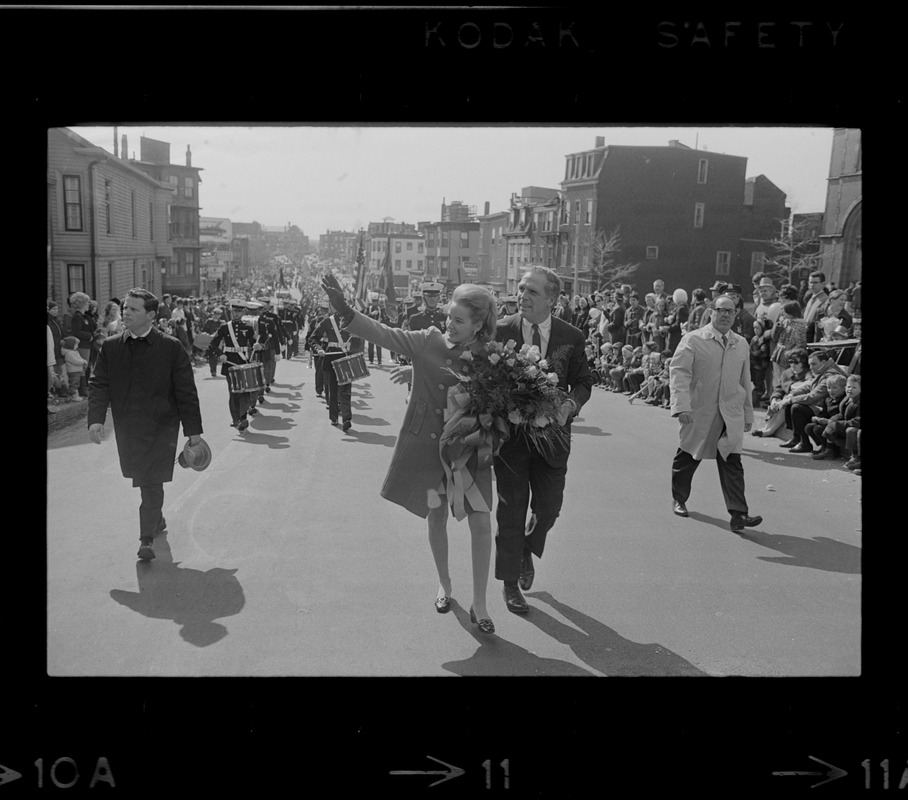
[451,772]
[831,774]
[8,775]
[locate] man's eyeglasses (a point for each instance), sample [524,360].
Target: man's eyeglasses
[725,311]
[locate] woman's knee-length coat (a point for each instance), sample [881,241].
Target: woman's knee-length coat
[416,469]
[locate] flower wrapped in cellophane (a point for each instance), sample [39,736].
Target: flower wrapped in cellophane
[510,392]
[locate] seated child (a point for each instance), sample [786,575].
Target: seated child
[828,412]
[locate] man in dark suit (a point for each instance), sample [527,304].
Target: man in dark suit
[146,379]
[525,478]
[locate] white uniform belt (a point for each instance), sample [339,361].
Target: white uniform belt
[232,350]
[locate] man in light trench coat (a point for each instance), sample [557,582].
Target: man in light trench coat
[711,395]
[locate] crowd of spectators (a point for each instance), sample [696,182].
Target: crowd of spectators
[804,346]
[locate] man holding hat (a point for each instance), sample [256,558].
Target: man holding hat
[232,345]
[145,377]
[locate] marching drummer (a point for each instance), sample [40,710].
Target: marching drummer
[336,343]
[316,347]
[232,345]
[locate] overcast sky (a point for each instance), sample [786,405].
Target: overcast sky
[342,178]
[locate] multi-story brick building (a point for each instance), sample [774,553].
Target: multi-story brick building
[527,217]
[452,249]
[107,221]
[181,272]
[493,250]
[678,212]
[332,246]
[763,221]
[841,237]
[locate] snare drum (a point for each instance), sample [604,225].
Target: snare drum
[350,368]
[246,377]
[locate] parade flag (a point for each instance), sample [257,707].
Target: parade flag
[359,287]
[388,277]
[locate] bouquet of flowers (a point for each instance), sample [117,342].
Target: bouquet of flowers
[510,390]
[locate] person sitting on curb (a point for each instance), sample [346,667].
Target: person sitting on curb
[805,406]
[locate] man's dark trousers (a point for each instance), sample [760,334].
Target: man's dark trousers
[520,471]
[150,509]
[731,479]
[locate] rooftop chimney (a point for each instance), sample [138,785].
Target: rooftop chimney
[116,152]
[600,141]
[487,208]
[188,156]
[123,147]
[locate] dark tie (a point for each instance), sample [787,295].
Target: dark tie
[133,339]
[537,339]
[724,340]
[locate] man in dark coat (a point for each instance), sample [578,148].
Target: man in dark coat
[145,378]
[519,469]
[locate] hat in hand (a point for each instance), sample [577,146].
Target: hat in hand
[198,457]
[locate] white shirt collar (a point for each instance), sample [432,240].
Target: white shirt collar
[544,326]
[130,334]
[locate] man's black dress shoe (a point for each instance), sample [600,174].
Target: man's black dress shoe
[790,443]
[740,521]
[679,508]
[513,599]
[527,572]
[145,551]
[443,604]
[801,448]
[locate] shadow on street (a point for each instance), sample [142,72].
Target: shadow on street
[589,430]
[602,648]
[820,552]
[191,598]
[367,437]
[361,419]
[497,656]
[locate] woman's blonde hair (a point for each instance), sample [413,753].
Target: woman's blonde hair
[482,307]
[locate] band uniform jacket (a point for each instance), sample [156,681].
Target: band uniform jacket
[714,385]
[566,355]
[150,389]
[425,319]
[222,342]
[416,471]
[270,332]
[324,336]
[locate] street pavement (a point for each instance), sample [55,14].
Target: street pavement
[282,559]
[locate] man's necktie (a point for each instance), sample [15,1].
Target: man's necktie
[724,340]
[537,339]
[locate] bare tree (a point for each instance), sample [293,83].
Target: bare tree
[605,248]
[793,251]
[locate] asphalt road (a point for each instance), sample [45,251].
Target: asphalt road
[281,559]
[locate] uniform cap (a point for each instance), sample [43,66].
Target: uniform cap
[431,286]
